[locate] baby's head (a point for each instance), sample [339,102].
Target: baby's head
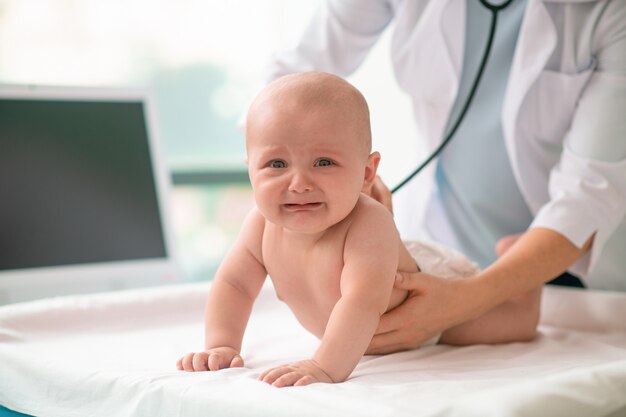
[319,95]
[308,142]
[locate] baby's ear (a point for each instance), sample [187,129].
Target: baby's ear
[370,170]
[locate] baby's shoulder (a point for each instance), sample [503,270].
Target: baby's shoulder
[252,230]
[367,209]
[369,216]
[254,222]
[372,233]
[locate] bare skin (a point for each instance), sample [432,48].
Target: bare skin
[526,262]
[331,251]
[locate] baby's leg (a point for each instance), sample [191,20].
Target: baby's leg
[512,321]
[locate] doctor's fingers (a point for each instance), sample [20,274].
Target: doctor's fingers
[400,318]
[399,329]
[391,342]
[505,243]
[380,192]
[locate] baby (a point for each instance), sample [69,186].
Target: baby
[331,251]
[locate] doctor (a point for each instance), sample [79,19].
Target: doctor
[533,182]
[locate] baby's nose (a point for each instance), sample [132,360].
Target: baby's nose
[300,183]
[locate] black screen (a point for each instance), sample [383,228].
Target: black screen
[76,184]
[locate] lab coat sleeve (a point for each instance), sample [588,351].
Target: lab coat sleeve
[588,186]
[337,39]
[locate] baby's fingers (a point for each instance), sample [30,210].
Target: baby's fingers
[237,362]
[305,380]
[273,374]
[209,361]
[264,373]
[288,379]
[199,361]
[219,361]
[190,361]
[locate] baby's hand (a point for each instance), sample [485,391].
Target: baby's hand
[210,360]
[297,374]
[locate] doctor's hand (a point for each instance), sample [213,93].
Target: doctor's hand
[379,192]
[433,305]
[210,360]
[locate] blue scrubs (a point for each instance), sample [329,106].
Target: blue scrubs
[477,198]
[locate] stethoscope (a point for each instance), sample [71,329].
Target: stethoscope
[494,9]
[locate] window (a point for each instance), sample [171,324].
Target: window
[203,60]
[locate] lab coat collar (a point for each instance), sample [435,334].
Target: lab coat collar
[451,31]
[536,42]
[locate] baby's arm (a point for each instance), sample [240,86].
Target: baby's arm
[236,286]
[370,262]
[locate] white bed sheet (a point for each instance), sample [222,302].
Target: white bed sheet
[114,355]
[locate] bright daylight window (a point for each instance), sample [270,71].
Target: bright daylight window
[203,60]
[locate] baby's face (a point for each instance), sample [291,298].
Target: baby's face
[307,168]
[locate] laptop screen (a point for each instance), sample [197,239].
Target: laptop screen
[78,187]
[77,184]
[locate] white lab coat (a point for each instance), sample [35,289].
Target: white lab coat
[558,122]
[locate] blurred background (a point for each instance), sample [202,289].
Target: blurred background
[203,60]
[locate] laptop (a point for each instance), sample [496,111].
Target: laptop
[83,193]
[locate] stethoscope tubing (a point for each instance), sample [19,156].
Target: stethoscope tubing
[494,9]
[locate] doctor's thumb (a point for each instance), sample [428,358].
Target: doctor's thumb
[410,281]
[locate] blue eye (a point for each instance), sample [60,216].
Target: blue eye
[278,164]
[324,163]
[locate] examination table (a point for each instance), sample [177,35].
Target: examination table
[114,354]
